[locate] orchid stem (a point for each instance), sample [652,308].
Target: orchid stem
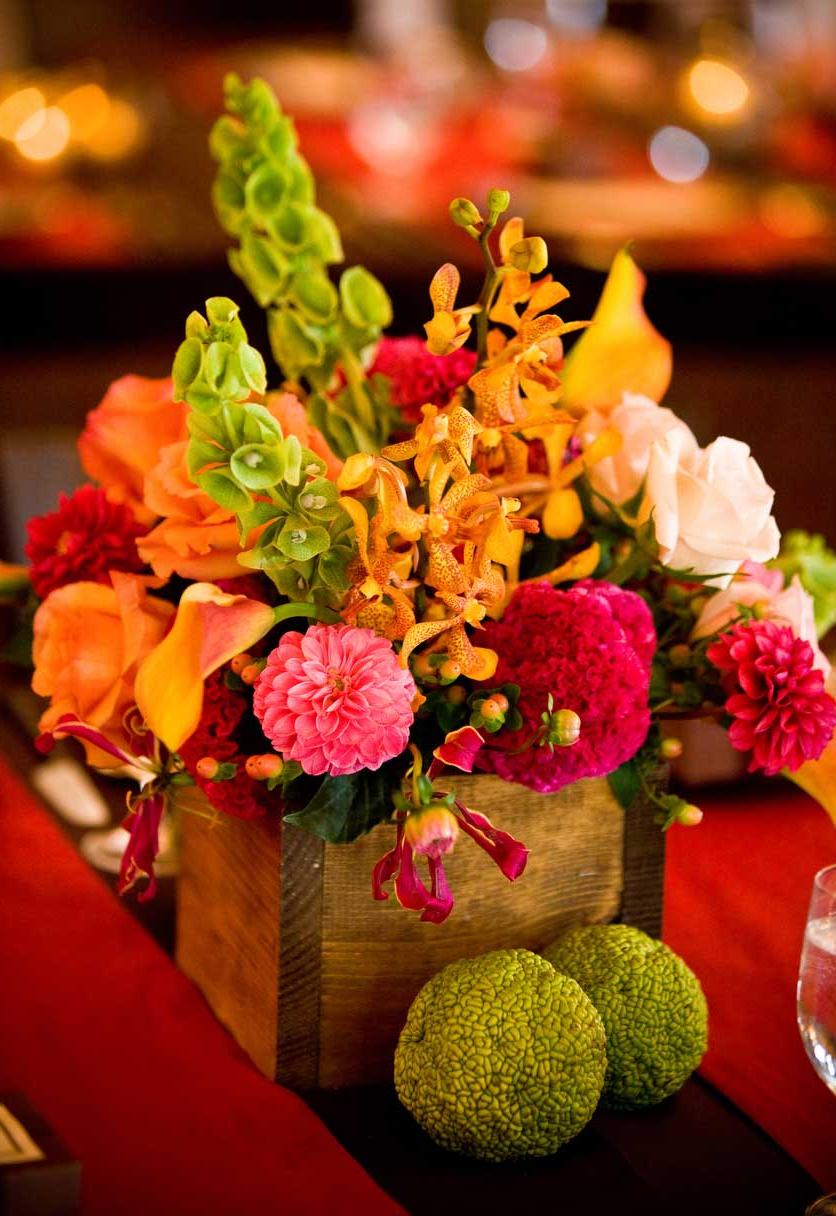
[489,287]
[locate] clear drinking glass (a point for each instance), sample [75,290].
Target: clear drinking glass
[816,993]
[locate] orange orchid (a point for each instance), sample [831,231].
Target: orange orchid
[210,628]
[448,433]
[450,326]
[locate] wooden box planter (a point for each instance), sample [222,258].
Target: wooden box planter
[314,978]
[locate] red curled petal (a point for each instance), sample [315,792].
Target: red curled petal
[510,854]
[143,823]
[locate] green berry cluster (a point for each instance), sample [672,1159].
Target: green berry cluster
[265,197]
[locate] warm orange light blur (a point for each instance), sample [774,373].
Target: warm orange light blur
[119,135]
[790,212]
[717,88]
[18,109]
[44,135]
[87,108]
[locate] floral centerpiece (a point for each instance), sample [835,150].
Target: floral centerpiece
[474,552]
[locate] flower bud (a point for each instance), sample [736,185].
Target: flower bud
[498,201]
[464,213]
[564,728]
[530,254]
[689,816]
[262,768]
[431,832]
[671,749]
[207,768]
[240,662]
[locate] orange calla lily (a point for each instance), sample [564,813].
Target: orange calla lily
[210,628]
[818,778]
[621,351]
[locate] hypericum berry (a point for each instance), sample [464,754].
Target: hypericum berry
[240,662]
[491,710]
[671,748]
[689,816]
[262,768]
[680,655]
[252,671]
[501,700]
[456,695]
[449,671]
[207,768]
[422,668]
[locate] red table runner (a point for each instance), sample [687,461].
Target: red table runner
[123,1057]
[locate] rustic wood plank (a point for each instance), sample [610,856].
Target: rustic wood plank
[644,866]
[228,925]
[300,958]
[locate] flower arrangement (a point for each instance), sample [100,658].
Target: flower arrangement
[412,556]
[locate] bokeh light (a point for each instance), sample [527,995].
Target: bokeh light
[87,107]
[515,45]
[718,88]
[577,17]
[678,155]
[44,135]
[790,212]
[19,108]
[120,134]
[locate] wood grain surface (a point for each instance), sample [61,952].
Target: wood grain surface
[314,977]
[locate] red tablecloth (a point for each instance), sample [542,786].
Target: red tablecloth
[736,895]
[123,1057]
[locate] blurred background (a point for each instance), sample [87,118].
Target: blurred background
[701,130]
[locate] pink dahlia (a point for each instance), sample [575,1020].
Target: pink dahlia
[781,712]
[418,377]
[335,699]
[590,649]
[86,538]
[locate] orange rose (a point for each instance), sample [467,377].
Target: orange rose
[89,642]
[290,414]
[123,436]
[196,539]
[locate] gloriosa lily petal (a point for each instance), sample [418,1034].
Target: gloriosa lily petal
[818,779]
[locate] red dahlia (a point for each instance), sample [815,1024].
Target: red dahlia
[86,538]
[776,696]
[419,378]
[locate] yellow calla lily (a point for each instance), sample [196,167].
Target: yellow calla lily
[621,351]
[818,779]
[210,628]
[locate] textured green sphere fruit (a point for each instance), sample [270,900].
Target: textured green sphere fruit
[501,1057]
[651,1004]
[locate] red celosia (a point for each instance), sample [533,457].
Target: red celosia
[591,650]
[776,696]
[419,378]
[218,734]
[86,538]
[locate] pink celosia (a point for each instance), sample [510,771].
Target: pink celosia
[590,648]
[335,699]
[776,696]
[418,377]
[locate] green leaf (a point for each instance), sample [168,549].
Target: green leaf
[343,808]
[187,365]
[199,454]
[364,299]
[221,487]
[626,783]
[253,369]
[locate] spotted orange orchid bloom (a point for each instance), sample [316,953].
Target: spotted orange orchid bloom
[446,433]
[449,328]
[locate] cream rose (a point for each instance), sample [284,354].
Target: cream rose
[711,507]
[755,586]
[640,422]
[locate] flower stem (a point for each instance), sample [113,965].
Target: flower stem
[487,294]
[285,612]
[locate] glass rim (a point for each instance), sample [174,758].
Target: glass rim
[820,880]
